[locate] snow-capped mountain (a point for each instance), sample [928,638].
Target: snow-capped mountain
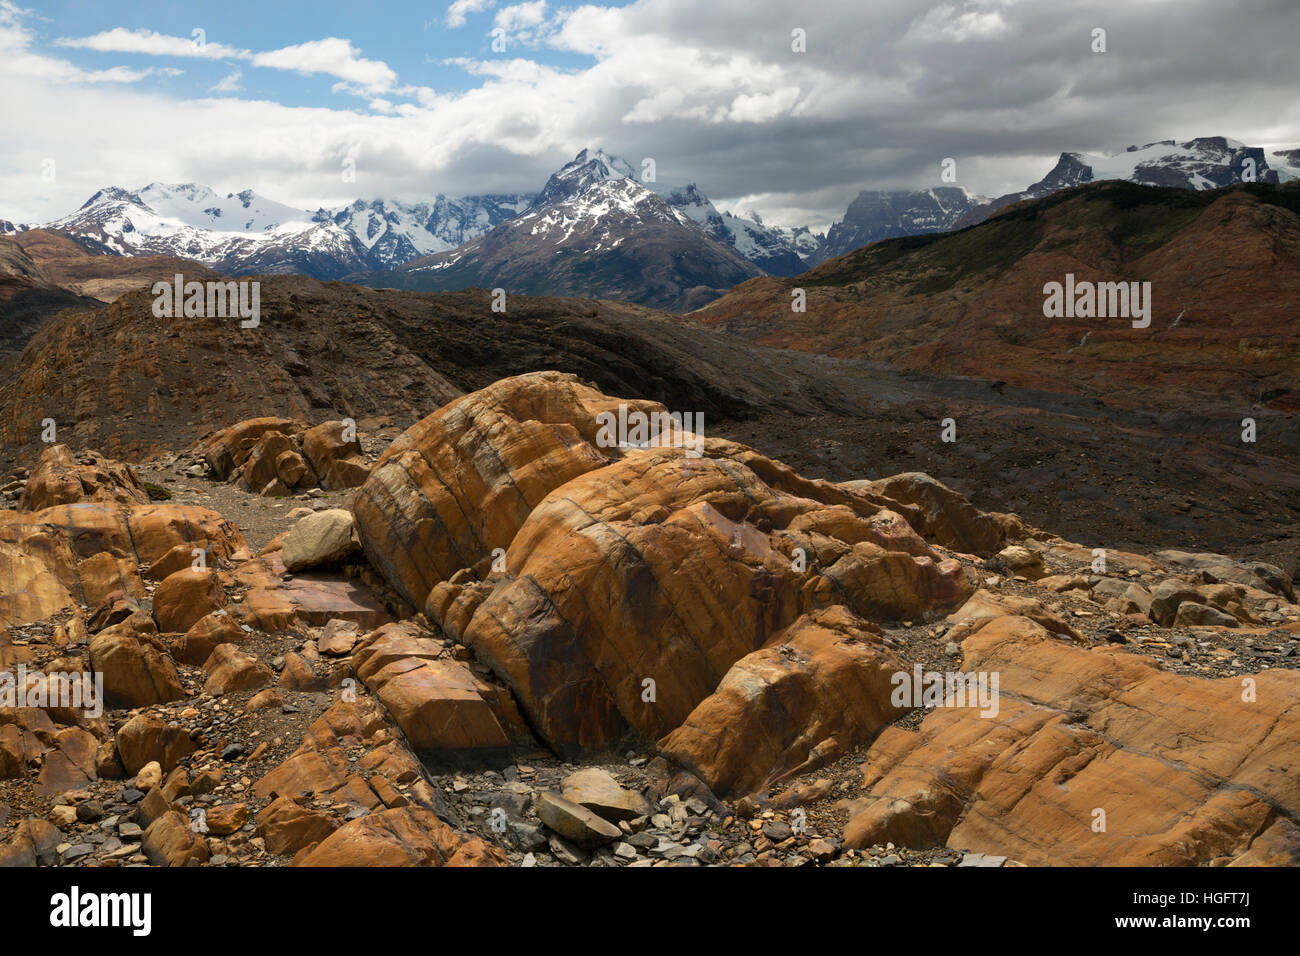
[776,251]
[1208,162]
[396,232]
[1285,161]
[580,173]
[243,233]
[883,214]
[614,238]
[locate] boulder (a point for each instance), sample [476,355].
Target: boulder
[226,450]
[601,571]
[985,605]
[150,776]
[581,614]
[321,538]
[1167,596]
[272,456]
[42,553]
[230,670]
[226,819]
[575,823]
[69,762]
[337,460]
[259,468]
[299,674]
[148,738]
[599,792]
[205,635]
[338,638]
[1023,561]
[291,469]
[178,558]
[185,597]
[461,482]
[1219,567]
[288,827]
[1191,614]
[34,842]
[134,671]
[443,710]
[171,841]
[946,517]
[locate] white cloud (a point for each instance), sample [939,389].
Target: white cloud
[945,23]
[229,83]
[334,57]
[713,92]
[457,12]
[18,59]
[522,23]
[121,40]
[521,15]
[331,56]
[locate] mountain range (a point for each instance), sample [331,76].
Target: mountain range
[597,227]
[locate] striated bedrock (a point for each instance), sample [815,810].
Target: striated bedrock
[630,579]
[946,517]
[1093,757]
[461,482]
[277,456]
[62,478]
[632,591]
[814,692]
[81,553]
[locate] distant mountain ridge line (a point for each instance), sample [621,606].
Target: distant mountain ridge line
[374,240]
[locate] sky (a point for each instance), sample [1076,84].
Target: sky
[787,109]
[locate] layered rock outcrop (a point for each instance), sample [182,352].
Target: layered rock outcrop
[278,456]
[1093,757]
[83,552]
[61,478]
[628,580]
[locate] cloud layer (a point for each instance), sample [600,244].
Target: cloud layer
[720,93]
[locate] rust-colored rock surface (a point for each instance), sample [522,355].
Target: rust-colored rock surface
[602,548]
[462,481]
[407,836]
[600,577]
[62,478]
[272,455]
[816,690]
[43,554]
[1094,757]
[186,597]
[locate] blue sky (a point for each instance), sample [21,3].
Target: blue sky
[414,40]
[419,101]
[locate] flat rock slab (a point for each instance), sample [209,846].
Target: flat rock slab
[575,823]
[599,792]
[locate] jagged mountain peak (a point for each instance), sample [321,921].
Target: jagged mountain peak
[575,176]
[110,194]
